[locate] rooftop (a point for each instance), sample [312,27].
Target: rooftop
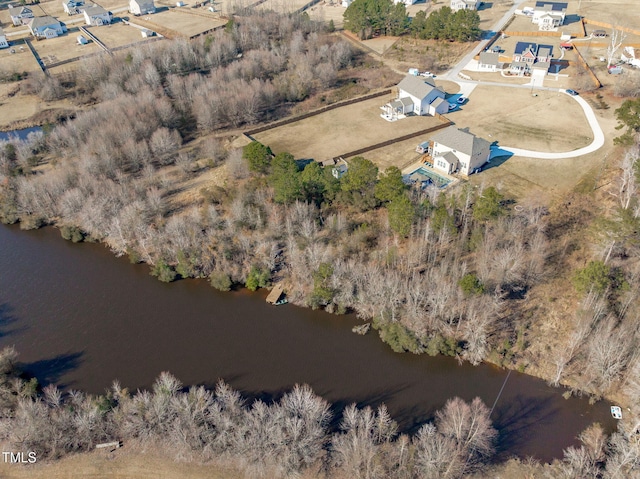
[95,10]
[489,58]
[459,140]
[417,86]
[39,22]
[522,47]
[553,6]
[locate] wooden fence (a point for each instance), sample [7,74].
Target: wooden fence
[444,123]
[586,66]
[324,109]
[533,34]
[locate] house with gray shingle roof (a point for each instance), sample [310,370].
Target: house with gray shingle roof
[20,15]
[489,62]
[453,150]
[141,7]
[418,95]
[46,27]
[549,15]
[97,16]
[463,5]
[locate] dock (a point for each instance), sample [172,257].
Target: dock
[276,295]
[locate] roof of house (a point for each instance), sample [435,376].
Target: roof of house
[519,64]
[16,11]
[542,65]
[40,22]
[417,86]
[489,58]
[545,50]
[94,10]
[143,2]
[522,47]
[415,176]
[553,6]
[438,101]
[460,140]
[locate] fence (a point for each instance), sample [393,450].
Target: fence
[586,66]
[533,34]
[445,123]
[608,25]
[324,109]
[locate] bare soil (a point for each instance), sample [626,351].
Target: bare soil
[282,6]
[187,24]
[117,34]
[341,130]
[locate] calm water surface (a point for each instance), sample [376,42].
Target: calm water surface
[81,318]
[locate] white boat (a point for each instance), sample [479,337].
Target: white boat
[616,412]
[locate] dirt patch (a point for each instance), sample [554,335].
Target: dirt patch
[431,55]
[341,130]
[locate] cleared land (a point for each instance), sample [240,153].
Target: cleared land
[117,34]
[325,12]
[20,61]
[548,122]
[341,130]
[188,24]
[523,23]
[63,48]
[282,6]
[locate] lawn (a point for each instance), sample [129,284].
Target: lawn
[341,130]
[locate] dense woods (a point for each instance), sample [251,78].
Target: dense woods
[460,272]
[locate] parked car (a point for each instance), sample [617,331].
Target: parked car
[452,106]
[571,92]
[427,74]
[461,100]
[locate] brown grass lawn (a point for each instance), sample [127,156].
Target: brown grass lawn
[20,61]
[549,122]
[63,47]
[341,130]
[117,34]
[185,23]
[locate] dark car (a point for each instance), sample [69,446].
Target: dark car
[571,92]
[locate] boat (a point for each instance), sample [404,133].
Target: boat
[361,329]
[616,412]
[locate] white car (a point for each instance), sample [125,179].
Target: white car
[452,106]
[427,74]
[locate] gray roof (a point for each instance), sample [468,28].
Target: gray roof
[1,32]
[95,10]
[46,21]
[519,64]
[142,3]
[406,101]
[450,157]
[418,177]
[417,86]
[545,50]
[542,65]
[438,101]
[460,140]
[16,11]
[489,58]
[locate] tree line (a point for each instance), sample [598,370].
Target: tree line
[367,18]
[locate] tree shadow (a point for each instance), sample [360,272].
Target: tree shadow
[485,6]
[514,419]
[571,18]
[7,319]
[50,371]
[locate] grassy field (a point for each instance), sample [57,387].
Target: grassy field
[20,61]
[117,34]
[186,23]
[282,6]
[548,122]
[63,48]
[341,130]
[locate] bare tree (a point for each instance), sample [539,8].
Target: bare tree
[615,42]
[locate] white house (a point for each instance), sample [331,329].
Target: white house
[406,2]
[73,7]
[416,95]
[3,40]
[46,27]
[464,5]
[453,149]
[549,15]
[20,15]
[141,7]
[489,62]
[96,15]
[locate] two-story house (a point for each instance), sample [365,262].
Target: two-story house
[464,5]
[419,96]
[549,15]
[20,15]
[46,27]
[458,150]
[96,15]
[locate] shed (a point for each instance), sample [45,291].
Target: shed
[615,70]
[147,33]
[82,40]
[180,4]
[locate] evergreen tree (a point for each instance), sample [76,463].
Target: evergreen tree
[390,185]
[358,184]
[285,179]
[401,215]
[258,156]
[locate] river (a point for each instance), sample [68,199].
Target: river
[81,318]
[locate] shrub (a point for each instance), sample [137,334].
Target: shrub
[220,280]
[471,285]
[72,233]
[258,278]
[398,337]
[596,276]
[163,272]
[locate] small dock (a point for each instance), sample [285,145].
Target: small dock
[276,296]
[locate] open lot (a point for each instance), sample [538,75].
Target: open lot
[117,34]
[523,23]
[282,6]
[341,130]
[617,12]
[548,122]
[327,11]
[188,24]
[20,61]
[62,48]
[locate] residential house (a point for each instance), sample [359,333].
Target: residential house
[406,2]
[454,150]
[141,7]
[3,40]
[20,15]
[46,27]
[416,95]
[97,16]
[489,62]
[73,7]
[464,5]
[524,56]
[549,15]
[346,3]
[339,170]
